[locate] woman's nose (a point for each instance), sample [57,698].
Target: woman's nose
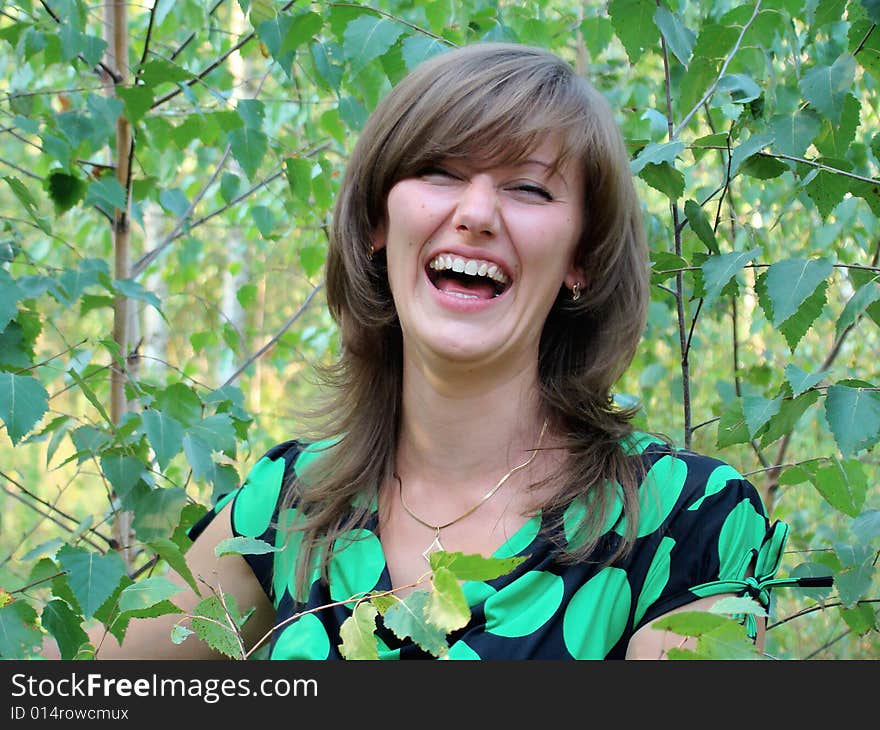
[477,209]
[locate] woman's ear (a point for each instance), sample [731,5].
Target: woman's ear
[379,240]
[576,275]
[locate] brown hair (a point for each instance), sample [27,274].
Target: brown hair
[495,101]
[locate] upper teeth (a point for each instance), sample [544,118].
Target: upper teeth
[471,267]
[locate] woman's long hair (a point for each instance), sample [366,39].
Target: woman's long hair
[495,102]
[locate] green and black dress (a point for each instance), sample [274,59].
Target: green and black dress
[701,527]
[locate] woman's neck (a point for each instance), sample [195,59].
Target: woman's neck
[466,431]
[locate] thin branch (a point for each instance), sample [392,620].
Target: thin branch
[47,516]
[189,39]
[802,161]
[101,65]
[150,256]
[287,325]
[396,19]
[214,64]
[773,488]
[28,173]
[711,90]
[679,279]
[865,39]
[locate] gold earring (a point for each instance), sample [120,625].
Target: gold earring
[372,251]
[576,291]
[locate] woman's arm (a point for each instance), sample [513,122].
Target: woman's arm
[651,643]
[150,638]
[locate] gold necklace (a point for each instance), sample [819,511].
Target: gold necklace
[436,544]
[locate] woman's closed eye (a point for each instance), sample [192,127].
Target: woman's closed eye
[437,172]
[532,190]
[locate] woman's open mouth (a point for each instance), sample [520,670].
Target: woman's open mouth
[467,278]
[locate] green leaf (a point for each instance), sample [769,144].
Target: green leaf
[793,133]
[796,326]
[801,381]
[328,58]
[216,431]
[229,186]
[264,219]
[473,566]
[857,306]
[866,527]
[836,138]
[302,29]
[180,402]
[732,428]
[655,153]
[826,86]
[219,630]
[165,435]
[843,484]
[725,642]
[720,269]
[106,193]
[147,592]
[169,551]
[860,619]
[358,633]
[873,10]
[700,225]
[367,37]
[243,546]
[19,634]
[665,179]
[633,21]
[64,190]
[791,282]
[758,410]
[10,294]
[679,37]
[853,413]
[157,72]
[180,633]
[418,48]
[747,149]
[90,395]
[312,259]
[791,411]
[157,513]
[448,608]
[92,577]
[409,618]
[863,36]
[122,471]
[826,189]
[248,147]
[23,402]
[64,625]
[30,204]
[137,101]
[299,177]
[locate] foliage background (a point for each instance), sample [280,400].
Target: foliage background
[167,174]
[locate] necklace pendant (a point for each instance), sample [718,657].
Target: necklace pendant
[434,547]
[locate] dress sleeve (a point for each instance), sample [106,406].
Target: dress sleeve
[255,506]
[716,539]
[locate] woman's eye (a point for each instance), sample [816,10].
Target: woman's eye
[535,190]
[436,172]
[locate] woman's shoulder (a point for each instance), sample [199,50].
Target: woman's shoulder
[689,478]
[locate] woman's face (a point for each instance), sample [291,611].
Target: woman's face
[476,256]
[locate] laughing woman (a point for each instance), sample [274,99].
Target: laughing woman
[488,274]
